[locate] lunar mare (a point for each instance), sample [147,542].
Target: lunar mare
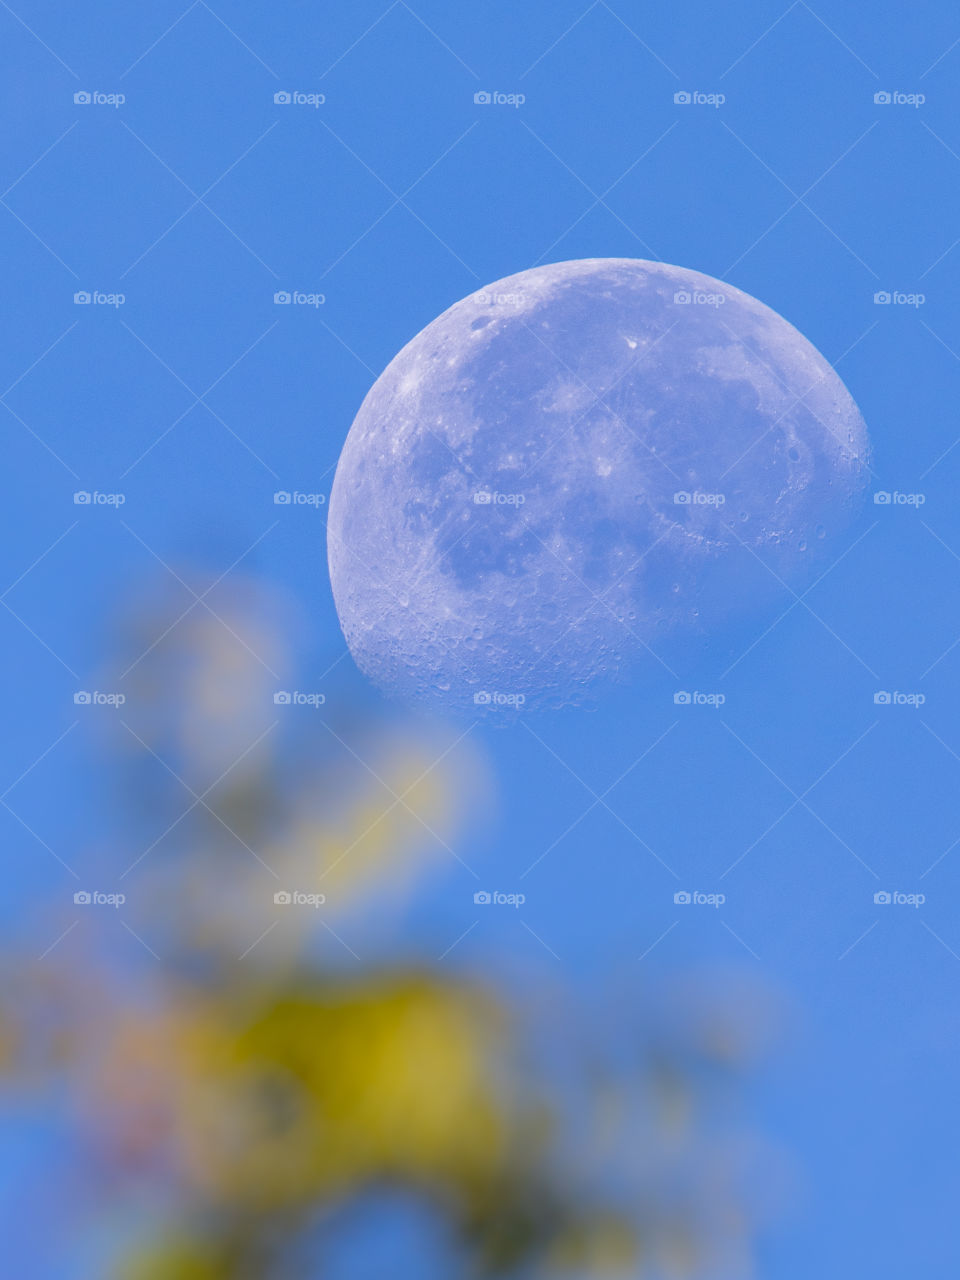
[571,464]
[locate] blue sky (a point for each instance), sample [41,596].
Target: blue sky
[199,197]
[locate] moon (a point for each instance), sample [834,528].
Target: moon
[573,465]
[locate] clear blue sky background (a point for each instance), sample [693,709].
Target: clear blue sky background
[199,197]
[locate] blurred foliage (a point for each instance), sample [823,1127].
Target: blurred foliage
[254,1088]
